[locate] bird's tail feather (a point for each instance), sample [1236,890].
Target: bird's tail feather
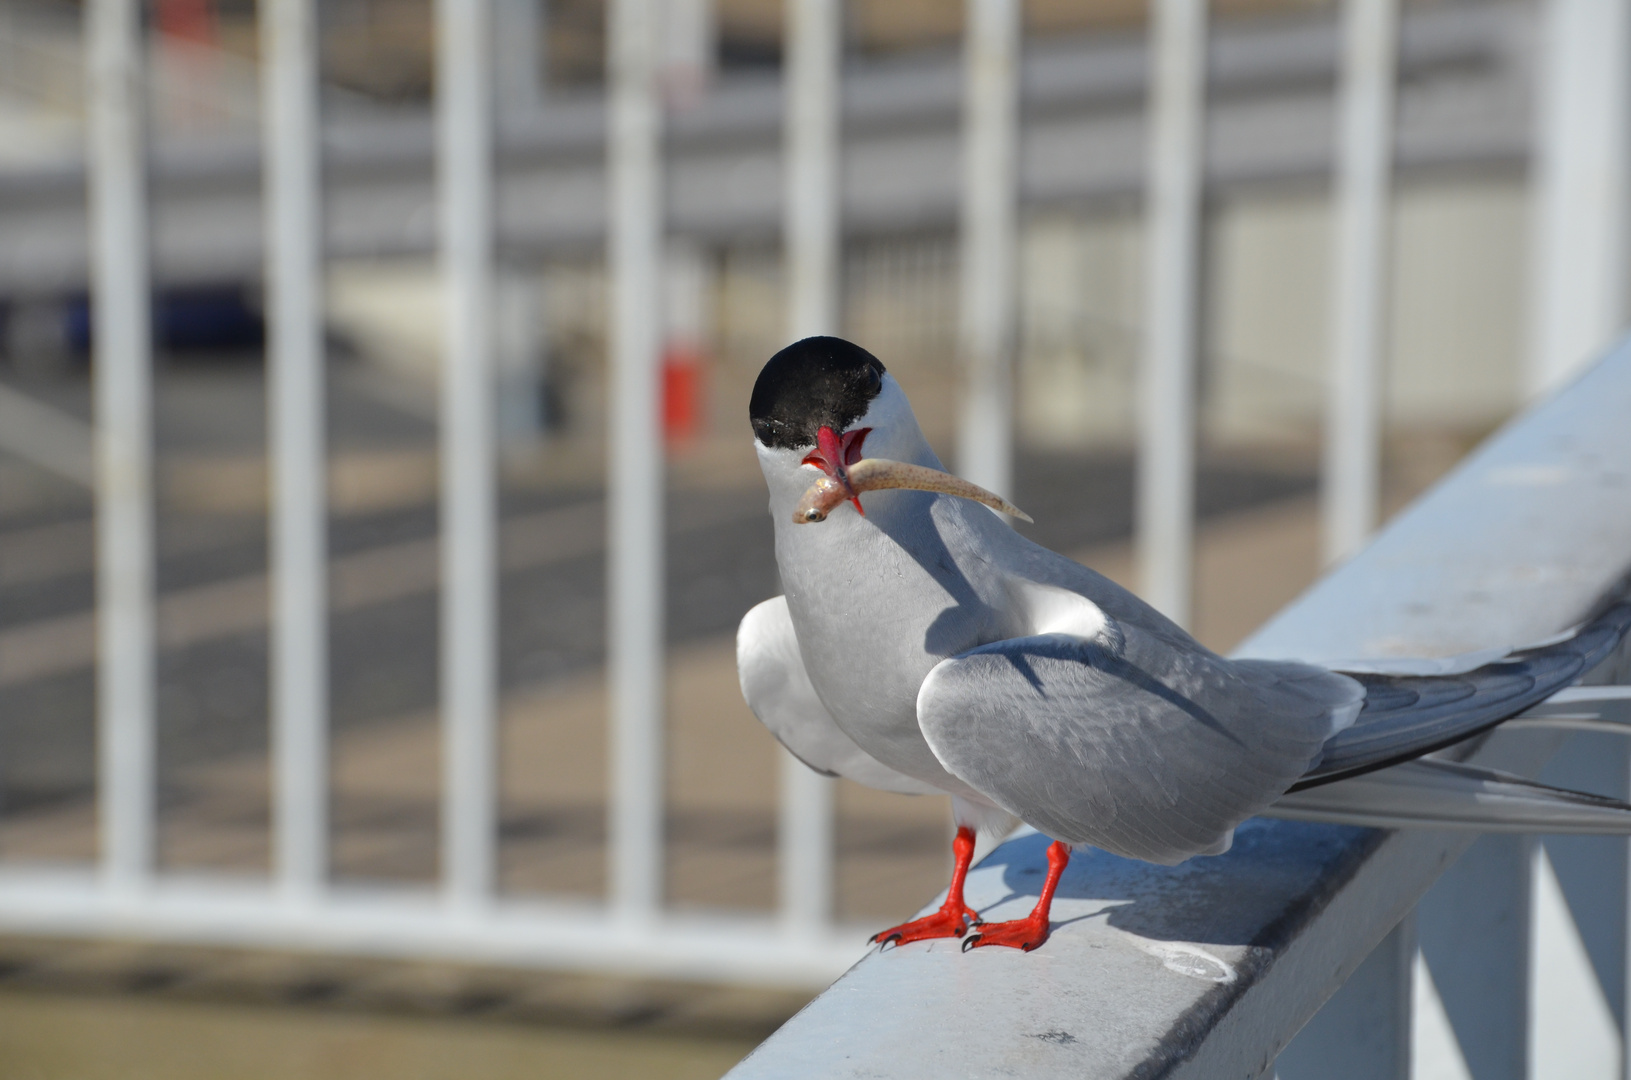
[1406,716]
[1604,709]
[1451,795]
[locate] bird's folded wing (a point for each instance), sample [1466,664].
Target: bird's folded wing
[1129,746]
[1451,795]
[778,690]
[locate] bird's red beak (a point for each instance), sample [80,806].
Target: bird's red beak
[835,453]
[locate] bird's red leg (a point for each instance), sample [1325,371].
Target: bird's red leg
[949,920]
[1031,931]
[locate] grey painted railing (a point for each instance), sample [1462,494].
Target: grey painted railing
[1210,969]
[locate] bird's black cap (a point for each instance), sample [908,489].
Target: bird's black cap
[820,381]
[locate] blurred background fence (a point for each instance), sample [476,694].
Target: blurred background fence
[414,639]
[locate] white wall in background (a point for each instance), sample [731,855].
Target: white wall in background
[1455,339]
[1461,257]
[1455,343]
[689,292]
[1268,310]
[1456,333]
[391,312]
[899,299]
[1081,298]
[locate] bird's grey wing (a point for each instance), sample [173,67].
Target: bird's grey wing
[1408,715]
[778,690]
[1126,744]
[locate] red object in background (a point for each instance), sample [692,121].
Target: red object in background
[682,393]
[187,20]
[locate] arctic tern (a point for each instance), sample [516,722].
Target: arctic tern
[924,646]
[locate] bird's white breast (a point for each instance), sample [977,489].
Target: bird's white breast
[877,601]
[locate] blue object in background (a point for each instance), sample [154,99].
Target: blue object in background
[205,319]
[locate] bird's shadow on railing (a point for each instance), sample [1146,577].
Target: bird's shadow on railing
[1284,866]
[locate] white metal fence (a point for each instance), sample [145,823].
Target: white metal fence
[1580,170]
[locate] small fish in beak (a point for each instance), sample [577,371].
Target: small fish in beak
[878,474]
[833,455]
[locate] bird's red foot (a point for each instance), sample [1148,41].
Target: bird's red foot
[954,916]
[950,921]
[1026,934]
[1031,931]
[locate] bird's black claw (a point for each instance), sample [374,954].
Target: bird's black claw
[970,942]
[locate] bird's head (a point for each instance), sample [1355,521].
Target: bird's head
[831,423]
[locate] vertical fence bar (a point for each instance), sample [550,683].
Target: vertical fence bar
[1582,171]
[813,237]
[123,367]
[1581,239]
[1578,936]
[635,527]
[1473,928]
[1353,407]
[804,847]
[299,539]
[1166,390]
[988,239]
[811,216]
[469,539]
[1363,1031]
